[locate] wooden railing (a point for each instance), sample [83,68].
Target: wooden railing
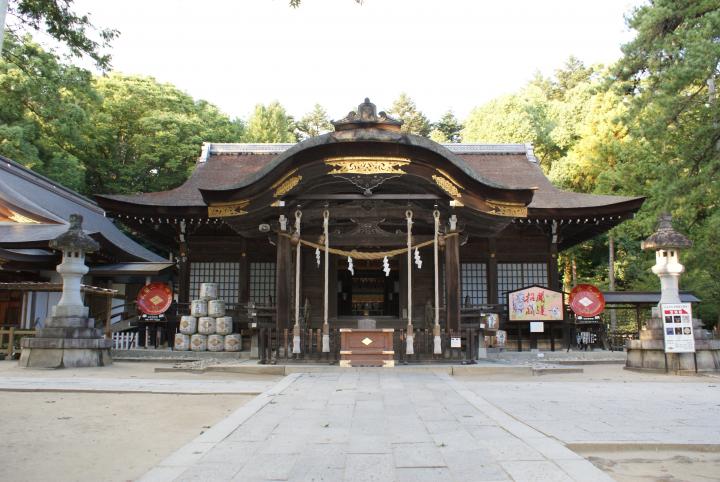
[7,348]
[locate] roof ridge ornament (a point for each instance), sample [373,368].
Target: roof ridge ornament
[367,117]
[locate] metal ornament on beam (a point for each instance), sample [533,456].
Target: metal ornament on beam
[367,166]
[228,209]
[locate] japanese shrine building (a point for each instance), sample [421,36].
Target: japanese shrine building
[502,222]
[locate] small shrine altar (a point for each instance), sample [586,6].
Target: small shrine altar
[366,346]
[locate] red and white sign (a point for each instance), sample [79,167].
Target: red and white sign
[154,299]
[677,328]
[587,301]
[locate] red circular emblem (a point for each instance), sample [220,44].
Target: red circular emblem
[587,301]
[154,298]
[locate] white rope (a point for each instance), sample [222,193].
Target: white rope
[409,348]
[326,326]
[437,348]
[326,223]
[296,328]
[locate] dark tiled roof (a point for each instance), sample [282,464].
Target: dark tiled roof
[52,204]
[517,171]
[225,165]
[220,170]
[643,297]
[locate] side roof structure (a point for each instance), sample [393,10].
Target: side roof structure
[35,209]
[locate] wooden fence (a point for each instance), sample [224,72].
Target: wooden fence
[275,346]
[8,347]
[124,340]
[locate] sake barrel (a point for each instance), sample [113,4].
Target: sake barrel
[208,291]
[198,342]
[182,342]
[223,325]
[198,308]
[216,308]
[233,342]
[206,325]
[188,325]
[216,342]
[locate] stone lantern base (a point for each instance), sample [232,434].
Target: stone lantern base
[66,342]
[648,353]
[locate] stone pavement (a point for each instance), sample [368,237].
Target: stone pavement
[685,410]
[135,385]
[374,424]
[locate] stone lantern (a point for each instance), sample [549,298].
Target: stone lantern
[666,242]
[69,338]
[648,352]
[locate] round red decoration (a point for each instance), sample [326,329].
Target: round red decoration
[154,299]
[587,301]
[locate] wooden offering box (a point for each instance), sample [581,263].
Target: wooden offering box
[366,348]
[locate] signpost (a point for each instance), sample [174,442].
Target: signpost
[677,328]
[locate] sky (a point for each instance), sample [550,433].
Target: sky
[445,54]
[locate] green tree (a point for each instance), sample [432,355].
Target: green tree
[270,123]
[515,118]
[57,19]
[147,135]
[668,76]
[414,121]
[44,105]
[447,128]
[314,123]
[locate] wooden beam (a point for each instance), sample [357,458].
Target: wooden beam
[353,197]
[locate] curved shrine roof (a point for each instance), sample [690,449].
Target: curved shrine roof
[512,166]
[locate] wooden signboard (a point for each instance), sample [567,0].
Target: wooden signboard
[535,303]
[366,348]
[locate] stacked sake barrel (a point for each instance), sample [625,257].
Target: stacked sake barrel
[207,328]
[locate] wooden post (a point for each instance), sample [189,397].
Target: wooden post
[452,279]
[184,266]
[553,274]
[244,280]
[108,313]
[492,272]
[282,277]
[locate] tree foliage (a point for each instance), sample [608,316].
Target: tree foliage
[270,123]
[44,111]
[414,121]
[147,135]
[668,77]
[314,123]
[447,129]
[57,19]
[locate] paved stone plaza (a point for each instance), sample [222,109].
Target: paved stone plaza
[373,425]
[406,423]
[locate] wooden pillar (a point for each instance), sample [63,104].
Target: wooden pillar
[183,266]
[244,275]
[553,273]
[452,281]
[492,272]
[108,312]
[283,274]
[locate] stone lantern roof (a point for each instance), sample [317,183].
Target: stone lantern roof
[75,239]
[665,236]
[367,117]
